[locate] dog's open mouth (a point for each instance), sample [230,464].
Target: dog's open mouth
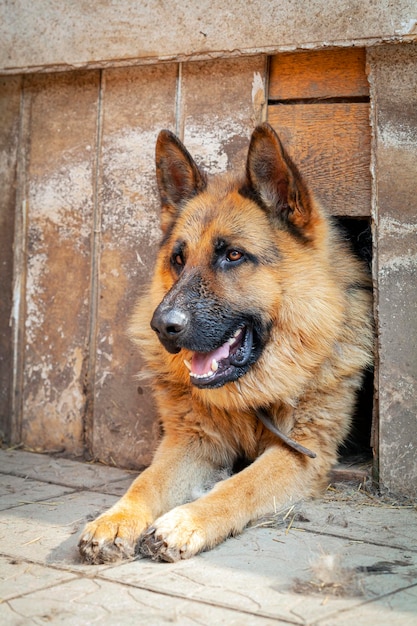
[226,363]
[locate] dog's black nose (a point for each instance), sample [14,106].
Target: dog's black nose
[169,324]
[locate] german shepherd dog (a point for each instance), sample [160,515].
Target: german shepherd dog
[257,328]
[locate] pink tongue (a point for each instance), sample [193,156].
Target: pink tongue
[201,361]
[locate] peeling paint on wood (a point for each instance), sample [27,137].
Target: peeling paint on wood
[221,103]
[60,169]
[137,103]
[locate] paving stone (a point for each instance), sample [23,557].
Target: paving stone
[382,524]
[101,602]
[48,532]
[264,571]
[17,491]
[329,563]
[17,577]
[398,609]
[60,471]
[118,487]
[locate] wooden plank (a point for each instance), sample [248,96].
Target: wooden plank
[221,102]
[318,74]
[394,83]
[61,111]
[331,146]
[137,103]
[10,91]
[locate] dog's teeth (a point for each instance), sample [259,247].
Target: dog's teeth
[214,365]
[206,375]
[187,365]
[232,340]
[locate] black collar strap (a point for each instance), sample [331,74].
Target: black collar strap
[263,417]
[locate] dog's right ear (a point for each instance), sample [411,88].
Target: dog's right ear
[178,176]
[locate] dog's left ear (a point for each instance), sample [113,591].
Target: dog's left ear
[275,179]
[178,176]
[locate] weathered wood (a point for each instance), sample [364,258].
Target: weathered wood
[358,474]
[318,74]
[330,143]
[221,102]
[61,111]
[137,103]
[393,77]
[10,92]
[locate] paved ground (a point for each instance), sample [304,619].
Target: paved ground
[349,559]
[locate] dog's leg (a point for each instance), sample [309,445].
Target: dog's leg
[279,476]
[174,477]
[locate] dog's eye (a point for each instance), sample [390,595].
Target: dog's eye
[234,255]
[177,261]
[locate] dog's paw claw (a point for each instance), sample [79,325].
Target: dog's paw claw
[150,546]
[101,551]
[173,537]
[108,540]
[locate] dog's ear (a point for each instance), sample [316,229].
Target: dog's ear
[275,180]
[178,177]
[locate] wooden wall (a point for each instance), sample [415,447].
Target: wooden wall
[78,154]
[319,105]
[79,225]
[80,175]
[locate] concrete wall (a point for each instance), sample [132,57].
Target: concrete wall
[53,35]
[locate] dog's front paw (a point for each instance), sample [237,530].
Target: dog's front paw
[109,538]
[174,536]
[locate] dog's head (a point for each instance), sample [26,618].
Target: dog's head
[219,255]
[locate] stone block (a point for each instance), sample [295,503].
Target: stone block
[62,471]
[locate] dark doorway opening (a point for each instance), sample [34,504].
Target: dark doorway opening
[358,445]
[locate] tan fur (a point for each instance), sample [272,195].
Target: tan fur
[317,299]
